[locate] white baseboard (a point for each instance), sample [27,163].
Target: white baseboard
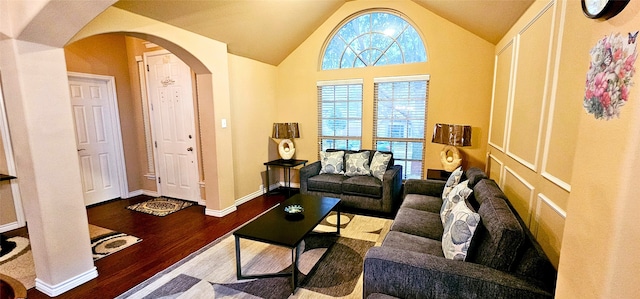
[248,197]
[150,193]
[220,213]
[282,184]
[135,193]
[10,226]
[55,290]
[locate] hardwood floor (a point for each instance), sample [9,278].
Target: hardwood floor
[166,240]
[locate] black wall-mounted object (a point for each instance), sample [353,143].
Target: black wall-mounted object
[603,9]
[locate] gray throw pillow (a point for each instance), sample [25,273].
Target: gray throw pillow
[331,162]
[357,164]
[379,164]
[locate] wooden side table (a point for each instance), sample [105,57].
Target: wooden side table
[437,174]
[286,165]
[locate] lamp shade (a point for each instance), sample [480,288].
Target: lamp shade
[285,131]
[455,135]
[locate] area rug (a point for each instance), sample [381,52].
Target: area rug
[18,263]
[330,266]
[160,206]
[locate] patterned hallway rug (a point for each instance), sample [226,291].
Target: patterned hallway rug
[18,263]
[160,206]
[329,266]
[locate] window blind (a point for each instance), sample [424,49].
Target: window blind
[400,117]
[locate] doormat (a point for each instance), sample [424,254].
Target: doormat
[328,266]
[105,241]
[160,206]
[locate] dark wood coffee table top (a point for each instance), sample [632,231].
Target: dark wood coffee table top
[275,228]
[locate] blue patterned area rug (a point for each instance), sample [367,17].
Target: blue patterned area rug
[160,206]
[329,266]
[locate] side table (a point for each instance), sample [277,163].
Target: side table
[286,165]
[437,174]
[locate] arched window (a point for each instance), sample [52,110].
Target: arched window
[373,39]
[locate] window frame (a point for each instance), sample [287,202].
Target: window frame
[356,15]
[319,86]
[406,140]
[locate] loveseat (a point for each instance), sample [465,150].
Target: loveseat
[503,259]
[362,191]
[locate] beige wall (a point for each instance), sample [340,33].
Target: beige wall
[253,110]
[601,236]
[459,64]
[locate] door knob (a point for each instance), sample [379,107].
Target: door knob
[81,149]
[190,149]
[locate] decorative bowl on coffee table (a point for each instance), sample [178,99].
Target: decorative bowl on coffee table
[294,212]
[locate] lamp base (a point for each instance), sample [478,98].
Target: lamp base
[450,158]
[286,149]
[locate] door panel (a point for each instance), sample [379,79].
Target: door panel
[95,140]
[172,109]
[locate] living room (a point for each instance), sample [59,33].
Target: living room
[284,93]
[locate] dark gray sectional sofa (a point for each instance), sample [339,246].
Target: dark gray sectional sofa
[504,260]
[359,192]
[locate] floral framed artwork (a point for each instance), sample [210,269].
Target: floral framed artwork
[609,77]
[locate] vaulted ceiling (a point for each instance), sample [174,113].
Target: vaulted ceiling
[269,30]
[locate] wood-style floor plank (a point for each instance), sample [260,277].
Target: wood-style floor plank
[166,240]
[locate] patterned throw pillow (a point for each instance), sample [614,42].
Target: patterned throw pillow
[331,162]
[459,193]
[379,164]
[453,180]
[357,164]
[458,231]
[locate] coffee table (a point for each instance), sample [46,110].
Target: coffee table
[273,227]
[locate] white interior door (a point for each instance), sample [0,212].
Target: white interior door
[171,99]
[97,136]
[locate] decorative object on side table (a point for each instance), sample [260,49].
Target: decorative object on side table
[609,81]
[451,136]
[286,132]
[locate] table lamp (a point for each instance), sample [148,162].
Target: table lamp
[451,136]
[286,132]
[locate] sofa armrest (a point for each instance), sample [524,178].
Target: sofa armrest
[391,187]
[407,274]
[306,172]
[424,187]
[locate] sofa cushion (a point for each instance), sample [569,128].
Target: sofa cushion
[458,194]
[487,189]
[474,175]
[452,181]
[458,230]
[422,202]
[326,182]
[498,237]
[332,162]
[410,242]
[357,164]
[379,164]
[419,223]
[362,186]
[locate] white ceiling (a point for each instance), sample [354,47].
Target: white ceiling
[269,30]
